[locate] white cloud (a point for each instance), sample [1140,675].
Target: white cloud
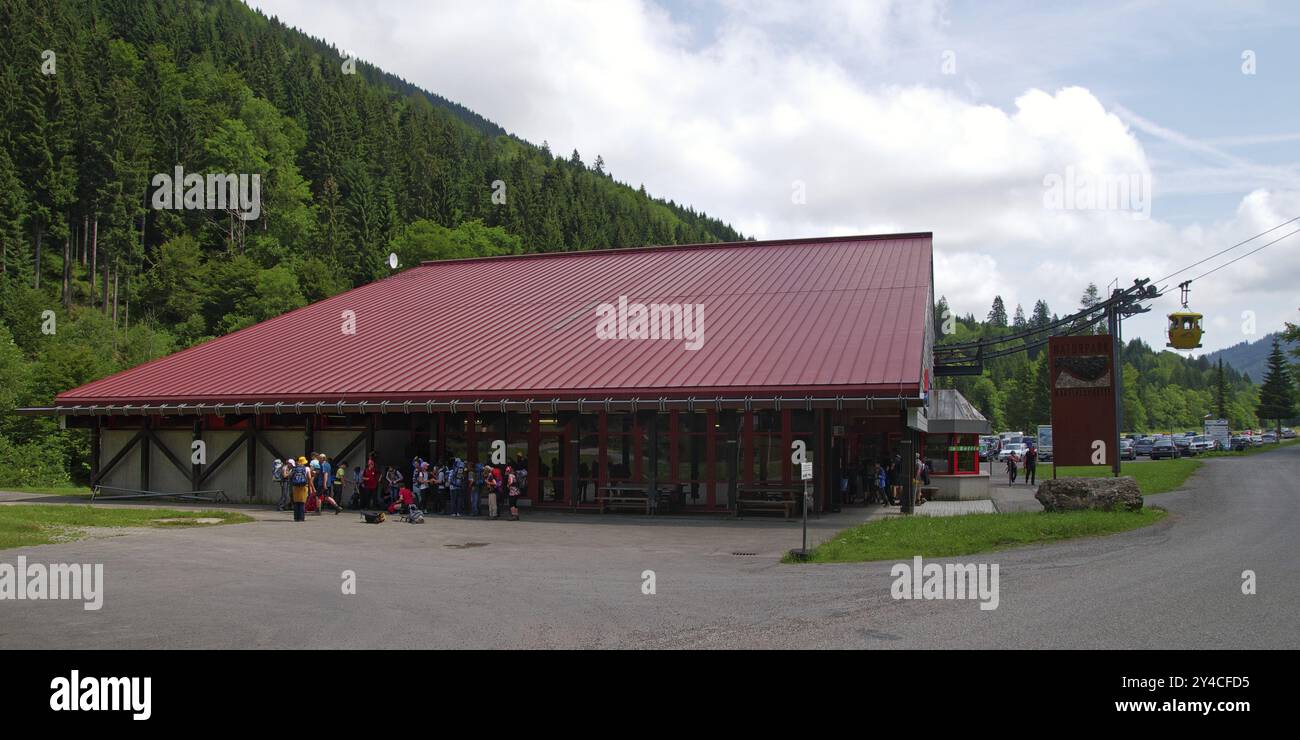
[728,122]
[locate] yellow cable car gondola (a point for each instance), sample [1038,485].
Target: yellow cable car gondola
[1185,326]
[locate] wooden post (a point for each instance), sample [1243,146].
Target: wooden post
[145,446]
[196,470]
[96,443]
[250,453]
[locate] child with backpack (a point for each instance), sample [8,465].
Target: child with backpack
[300,482]
[278,479]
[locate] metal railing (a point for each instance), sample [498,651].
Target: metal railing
[216,496]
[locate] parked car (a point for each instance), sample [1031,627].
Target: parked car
[1269,438]
[1202,443]
[1257,440]
[1143,446]
[1127,450]
[1239,443]
[1164,448]
[1018,448]
[1288,433]
[1184,444]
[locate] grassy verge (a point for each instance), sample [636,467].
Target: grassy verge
[78,491]
[901,538]
[37,524]
[1156,476]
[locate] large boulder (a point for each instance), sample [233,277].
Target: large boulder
[1105,494]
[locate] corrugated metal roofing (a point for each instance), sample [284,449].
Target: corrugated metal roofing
[832,316]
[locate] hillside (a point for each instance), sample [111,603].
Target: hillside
[110,107]
[1250,358]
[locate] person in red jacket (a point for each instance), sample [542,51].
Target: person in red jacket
[369,485]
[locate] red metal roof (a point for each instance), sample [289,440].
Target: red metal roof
[837,316]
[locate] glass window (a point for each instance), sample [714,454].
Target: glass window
[488,427]
[803,423]
[619,452]
[937,453]
[966,453]
[455,443]
[588,448]
[663,448]
[768,457]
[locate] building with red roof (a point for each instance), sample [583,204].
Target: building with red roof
[695,372]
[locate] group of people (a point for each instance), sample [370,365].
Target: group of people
[1029,460]
[307,485]
[458,487]
[883,482]
[455,489]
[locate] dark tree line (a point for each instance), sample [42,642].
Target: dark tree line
[100,97]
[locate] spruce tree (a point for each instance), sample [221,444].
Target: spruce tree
[998,314]
[1277,395]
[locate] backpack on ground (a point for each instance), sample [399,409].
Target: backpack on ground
[375,518]
[414,516]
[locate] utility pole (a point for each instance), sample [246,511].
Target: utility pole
[1113,323]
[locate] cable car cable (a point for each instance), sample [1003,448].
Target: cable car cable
[1229,249]
[1247,254]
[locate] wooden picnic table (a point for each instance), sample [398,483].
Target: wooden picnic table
[782,497]
[627,496]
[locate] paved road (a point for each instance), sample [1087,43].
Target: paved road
[576,582]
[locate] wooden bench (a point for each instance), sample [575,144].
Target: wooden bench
[765,504]
[619,497]
[768,498]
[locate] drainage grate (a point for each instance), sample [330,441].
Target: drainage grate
[467,545]
[745,554]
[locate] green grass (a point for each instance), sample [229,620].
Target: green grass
[1157,476]
[901,538]
[22,525]
[78,491]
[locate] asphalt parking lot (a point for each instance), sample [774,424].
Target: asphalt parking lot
[561,580]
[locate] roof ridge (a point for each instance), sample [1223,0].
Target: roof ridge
[805,240]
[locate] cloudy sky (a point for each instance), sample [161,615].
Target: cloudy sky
[1045,147]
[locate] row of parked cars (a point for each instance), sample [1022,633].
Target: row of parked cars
[1156,446]
[1192,443]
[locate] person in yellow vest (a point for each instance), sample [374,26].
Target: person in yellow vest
[300,483]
